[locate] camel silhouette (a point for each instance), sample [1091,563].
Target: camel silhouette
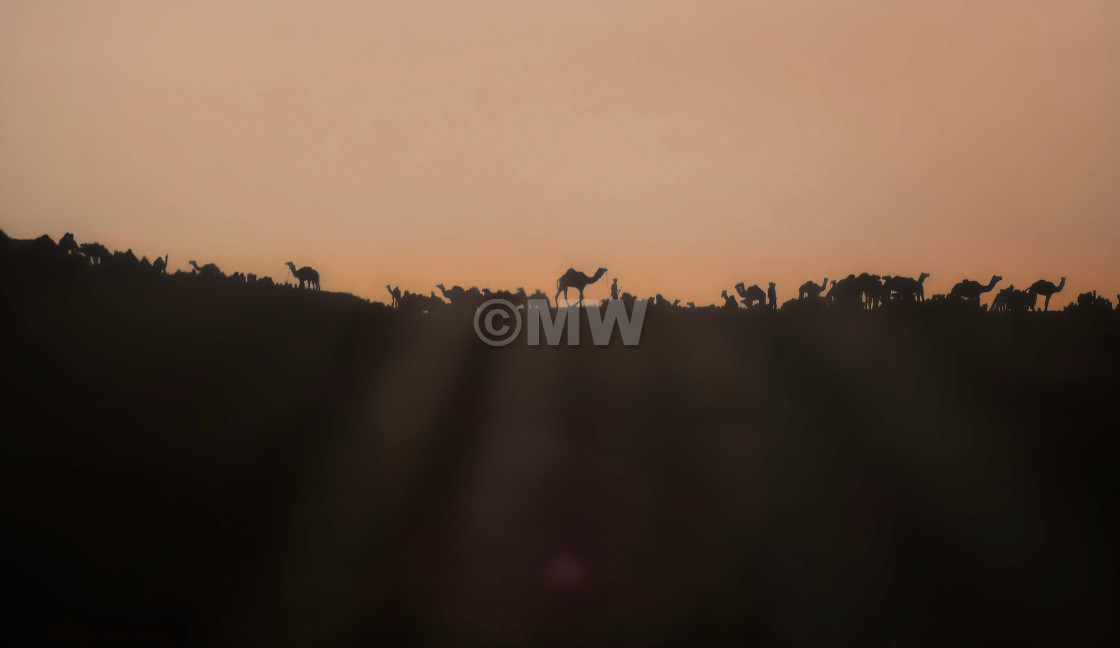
[810,289]
[415,302]
[907,288]
[1003,299]
[751,296]
[306,275]
[969,291]
[846,292]
[573,278]
[67,244]
[396,294]
[459,297]
[160,264]
[125,259]
[519,299]
[95,252]
[1046,289]
[1090,301]
[209,270]
[540,295]
[870,288]
[729,302]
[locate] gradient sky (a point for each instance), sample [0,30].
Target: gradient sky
[686,146]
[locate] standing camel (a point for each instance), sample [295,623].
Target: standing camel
[575,279]
[1046,289]
[907,288]
[306,275]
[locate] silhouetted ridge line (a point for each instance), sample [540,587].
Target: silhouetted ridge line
[865,291]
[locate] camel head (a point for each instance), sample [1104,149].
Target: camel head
[725,293]
[922,277]
[599,273]
[741,286]
[440,286]
[1062,284]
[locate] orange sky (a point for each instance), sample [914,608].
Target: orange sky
[684,145]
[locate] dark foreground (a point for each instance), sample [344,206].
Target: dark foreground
[186,464]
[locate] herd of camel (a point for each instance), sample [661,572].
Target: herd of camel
[863,291]
[98,254]
[872,291]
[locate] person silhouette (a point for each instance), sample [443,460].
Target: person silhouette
[614,289]
[772,295]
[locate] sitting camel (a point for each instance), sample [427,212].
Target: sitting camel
[751,296]
[306,275]
[160,265]
[459,297]
[969,291]
[729,302]
[811,290]
[572,278]
[209,270]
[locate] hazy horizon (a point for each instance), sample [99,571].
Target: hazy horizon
[684,146]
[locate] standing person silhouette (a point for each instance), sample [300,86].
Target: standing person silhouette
[772,295]
[614,289]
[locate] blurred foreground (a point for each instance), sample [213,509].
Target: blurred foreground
[190,464]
